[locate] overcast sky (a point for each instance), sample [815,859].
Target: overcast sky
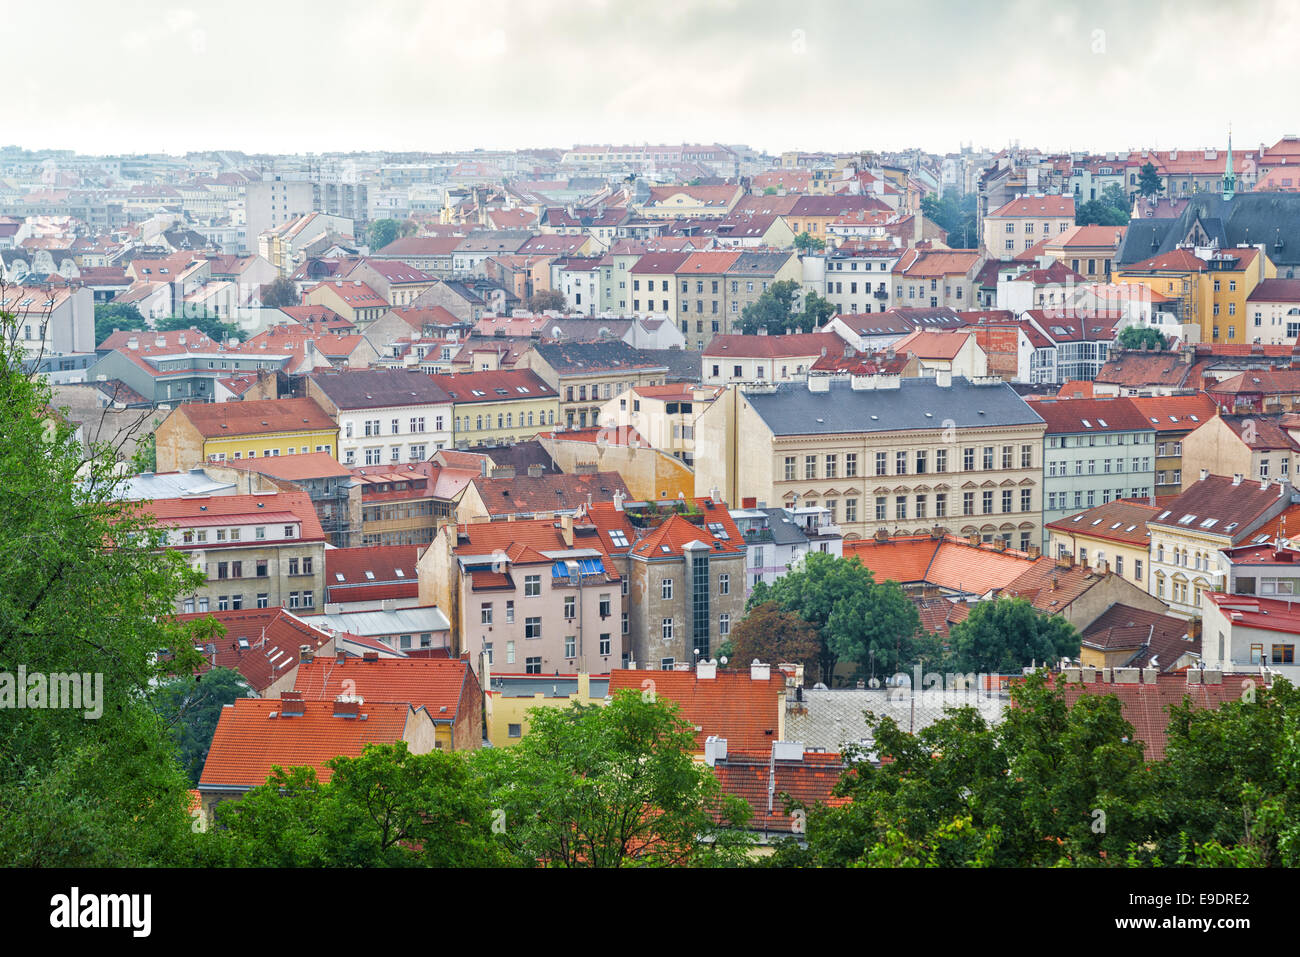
[286,76]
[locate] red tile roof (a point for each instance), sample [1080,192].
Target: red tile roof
[1147,634]
[1037,207]
[1146,706]
[435,684]
[795,345]
[673,535]
[1091,415]
[763,785]
[1175,413]
[248,741]
[1122,520]
[346,578]
[237,509]
[732,705]
[261,644]
[293,468]
[255,417]
[462,386]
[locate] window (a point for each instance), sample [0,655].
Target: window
[570,607]
[900,463]
[810,467]
[1006,456]
[485,613]
[533,665]
[532,586]
[900,507]
[968,503]
[510,612]
[605,644]
[604,606]
[850,510]
[921,501]
[968,460]
[881,464]
[832,466]
[850,465]
[666,588]
[516,730]
[1026,499]
[1006,500]
[941,505]
[570,646]
[625,623]
[988,503]
[533,627]
[988,457]
[941,460]
[724,584]
[724,624]
[789,468]
[667,629]
[881,505]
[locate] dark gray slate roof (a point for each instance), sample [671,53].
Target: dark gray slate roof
[684,365]
[784,530]
[584,358]
[1272,219]
[918,404]
[379,388]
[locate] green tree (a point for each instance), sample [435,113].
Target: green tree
[87,587]
[1138,337]
[772,635]
[190,708]
[805,243]
[770,191]
[381,232]
[546,300]
[856,617]
[1109,209]
[956,215]
[1149,184]
[1049,785]
[1228,792]
[1003,636]
[280,292]
[774,310]
[205,323]
[115,315]
[386,808]
[612,786]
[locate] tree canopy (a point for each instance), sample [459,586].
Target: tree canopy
[86,590]
[956,215]
[1149,184]
[1003,636]
[857,618]
[546,300]
[190,707]
[806,243]
[280,292]
[1138,337]
[1111,208]
[770,634]
[115,315]
[776,310]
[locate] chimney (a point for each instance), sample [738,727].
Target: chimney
[584,468]
[715,750]
[347,706]
[1102,567]
[291,704]
[706,670]
[340,657]
[388,604]
[943,378]
[936,532]
[305,654]
[369,657]
[759,671]
[1205,473]
[534,471]
[1236,478]
[973,538]
[882,534]
[715,494]
[1065,560]
[1000,544]
[566,530]
[504,471]
[1035,551]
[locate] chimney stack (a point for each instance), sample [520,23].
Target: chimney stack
[291,704]
[759,671]
[305,654]
[347,706]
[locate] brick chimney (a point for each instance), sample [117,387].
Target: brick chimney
[535,471]
[347,706]
[305,654]
[291,704]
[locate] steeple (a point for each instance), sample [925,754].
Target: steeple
[1229,179]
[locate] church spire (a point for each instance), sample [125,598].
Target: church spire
[1229,178]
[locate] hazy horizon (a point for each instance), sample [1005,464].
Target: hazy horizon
[404,76]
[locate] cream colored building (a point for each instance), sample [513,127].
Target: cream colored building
[882,452]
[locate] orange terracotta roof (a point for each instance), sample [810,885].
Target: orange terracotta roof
[237,509]
[436,684]
[262,644]
[248,741]
[256,417]
[732,705]
[1123,520]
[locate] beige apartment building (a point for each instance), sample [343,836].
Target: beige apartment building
[883,453]
[1026,221]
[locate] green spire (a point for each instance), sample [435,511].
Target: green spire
[1229,179]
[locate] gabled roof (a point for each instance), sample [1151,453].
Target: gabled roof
[371,573]
[1147,634]
[760,782]
[435,684]
[731,705]
[673,537]
[500,385]
[1037,206]
[1261,432]
[248,741]
[293,468]
[262,644]
[792,346]
[1121,520]
[379,388]
[1091,415]
[1231,508]
[255,417]
[547,492]
[1175,413]
[268,507]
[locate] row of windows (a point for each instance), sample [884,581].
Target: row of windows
[1091,497]
[303,599]
[1060,467]
[191,536]
[372,426]
[271,453]
[909,463]
[504,421]
[988,502]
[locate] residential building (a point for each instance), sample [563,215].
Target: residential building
[1245,633]
[198,432]
[1025,221]
[883,452]
[371,578]
[385,416]
[1096,451]
[263,645]
[256,551]
[350,298]
[585,374]
[777,539]
[1128,637]
[936,278]
[328,484]
[1253,446]
[1174,418]
[498,407]
[510,696]
[506,495]
[1273,311]
[1215,512]
[1112,535]
[764,359]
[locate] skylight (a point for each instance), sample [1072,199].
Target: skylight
[338,576]
[1208,523]
[399,573]
[618,538]
[1187,520]
[1163,515]
[370,575]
